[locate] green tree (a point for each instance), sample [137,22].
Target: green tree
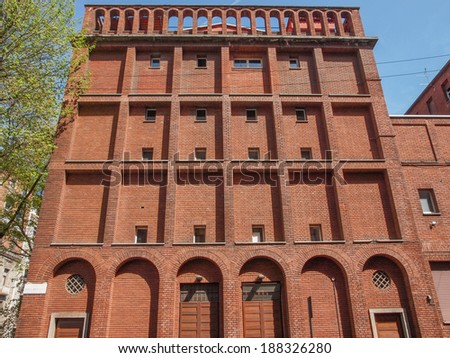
[41,78]
[39,42]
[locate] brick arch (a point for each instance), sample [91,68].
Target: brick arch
[217,12]
[231,13]
[202,12]
[110,14]
[406,264]
[343,261]
[320,16]
[199,299]
[396,295]
[292,24]
[306,15]
[123,257]
[272,254]
[58,299]
[200,261]
[323,288]
[349,28]
[333,15]
[133,304]
[187,12]
[245,13]
[53,263]
[132,12]
[99,12]
[172,266]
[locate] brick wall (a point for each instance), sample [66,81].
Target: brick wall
[362,204]
[134,301]
[82,215]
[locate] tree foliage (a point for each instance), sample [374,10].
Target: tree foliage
[39,41]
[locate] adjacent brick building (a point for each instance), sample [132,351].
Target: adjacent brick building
[435,98]
[234,172]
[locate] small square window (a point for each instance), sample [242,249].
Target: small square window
[201,62]
[253,153]
[141,234]
[293,63]
[428,202]
[200,153]
[150,115]
[155,62]
[257,233]
[306,153]
[300,113]
[199,234]
[200,115]
[315,232]
[251,115]
[147,153]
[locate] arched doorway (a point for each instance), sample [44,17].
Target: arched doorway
[386,296]
[200,295]
[71,292]
[262,283]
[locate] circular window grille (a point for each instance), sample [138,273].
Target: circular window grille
[381,280]
[75,284]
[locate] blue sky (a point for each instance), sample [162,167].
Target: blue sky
[407,30]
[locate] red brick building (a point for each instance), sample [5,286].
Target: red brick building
[234,172]
[435,98]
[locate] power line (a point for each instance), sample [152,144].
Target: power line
[409,74]
[413,59]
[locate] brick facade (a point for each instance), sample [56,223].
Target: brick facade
[360,186]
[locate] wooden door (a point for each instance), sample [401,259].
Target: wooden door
[262,310]
[389,325]
[199,311]
[69,328]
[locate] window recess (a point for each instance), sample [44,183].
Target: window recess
[247,63]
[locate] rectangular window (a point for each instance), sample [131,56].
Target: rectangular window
[315,232]
[251,63]
[251,115]
[199,234]
[141,234]
[294,64]
[200,153]
[300,113]
[428,202]
[257,233]
[147,153]
[200,115]
[201,62]
[155,62]
[150,115]
[253,153]
[306,153]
